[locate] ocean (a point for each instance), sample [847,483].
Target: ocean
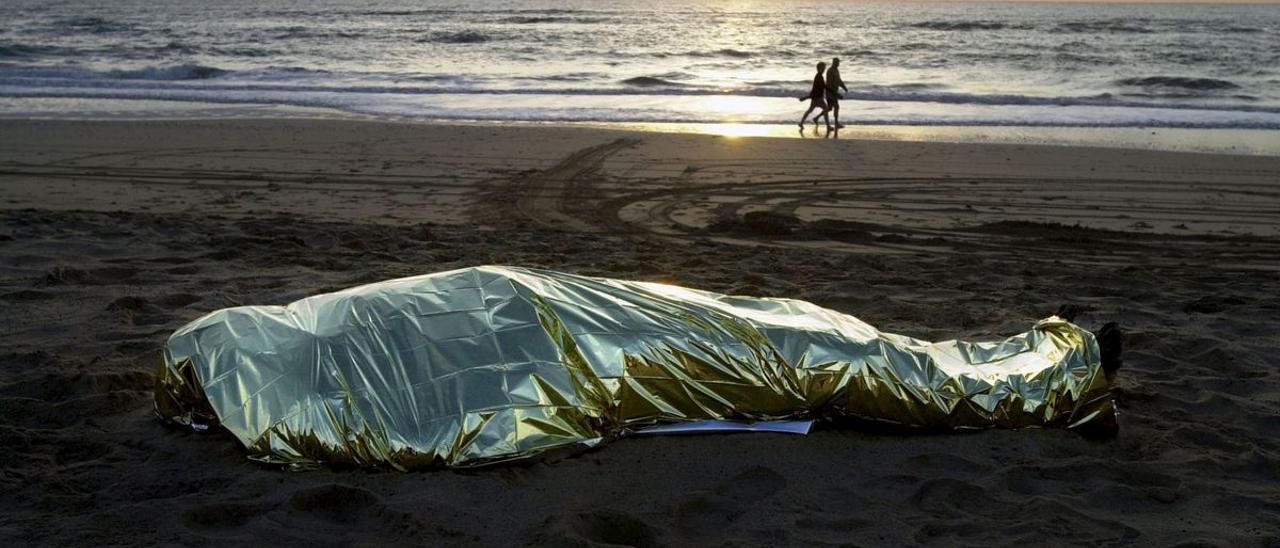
[638,61]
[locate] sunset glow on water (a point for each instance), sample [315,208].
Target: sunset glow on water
[666,61]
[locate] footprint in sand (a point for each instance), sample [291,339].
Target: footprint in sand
[27,295]
[98,276]
[707,512]
[177,300]
[352,514]
[596,527]
[213,517]
[335,503]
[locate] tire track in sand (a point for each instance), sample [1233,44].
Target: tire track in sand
[1092,222]
[554,197]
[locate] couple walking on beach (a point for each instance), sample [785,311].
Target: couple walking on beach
[825,94]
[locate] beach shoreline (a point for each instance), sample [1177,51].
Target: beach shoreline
[1256,142]
[113,234]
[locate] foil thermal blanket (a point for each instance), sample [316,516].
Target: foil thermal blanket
[486,364]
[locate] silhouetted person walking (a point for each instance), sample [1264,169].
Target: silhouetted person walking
[817,97]
[834,83]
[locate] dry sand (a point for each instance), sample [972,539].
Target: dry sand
[112,235]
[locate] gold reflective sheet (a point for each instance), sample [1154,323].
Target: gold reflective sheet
[493,363]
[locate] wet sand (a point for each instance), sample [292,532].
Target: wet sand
[112,235]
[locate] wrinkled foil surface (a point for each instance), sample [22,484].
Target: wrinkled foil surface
[486,364]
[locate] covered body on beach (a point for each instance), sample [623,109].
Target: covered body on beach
[488,364]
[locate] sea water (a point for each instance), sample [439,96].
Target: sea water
[657,61]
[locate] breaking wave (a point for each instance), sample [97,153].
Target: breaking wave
[1101,26]
[178,72]
[93,25]
[727,52]
[549,19]
[962,25]
[650,81]
[1202,84]
[14,49]
[299,32]
[460,37]
[722,52]
[243,51]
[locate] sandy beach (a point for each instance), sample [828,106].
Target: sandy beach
[114,234]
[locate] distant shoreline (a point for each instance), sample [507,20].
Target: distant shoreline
[1256,142]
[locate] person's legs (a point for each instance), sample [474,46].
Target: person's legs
[820,106]
[835,108]
[805,116]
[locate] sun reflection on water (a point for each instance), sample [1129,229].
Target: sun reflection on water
[742,130]
[734,109]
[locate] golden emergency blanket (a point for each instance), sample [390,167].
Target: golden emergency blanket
[486,364]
